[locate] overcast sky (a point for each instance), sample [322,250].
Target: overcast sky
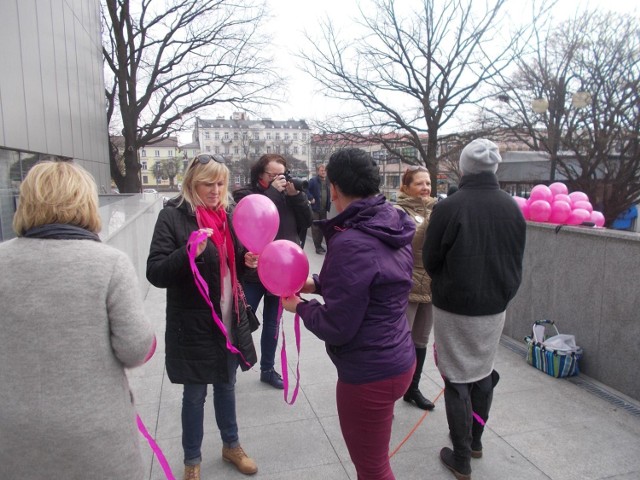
[292,17]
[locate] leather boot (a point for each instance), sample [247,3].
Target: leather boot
[481,397]
[413,393]
[459,417]
[191,472]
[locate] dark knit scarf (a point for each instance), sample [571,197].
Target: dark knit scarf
[61,231]
[217,221]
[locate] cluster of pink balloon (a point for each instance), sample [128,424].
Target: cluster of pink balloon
[554,204]
[282,267]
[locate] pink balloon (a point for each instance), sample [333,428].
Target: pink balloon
[539,211]
[283,268]
[582,204]
[524,206]
[597,218]
[256,222]
[578,216]
[560,212]
[540,192]
[558,188]
[578,196]
[563,197]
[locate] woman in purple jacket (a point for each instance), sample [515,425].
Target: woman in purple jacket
[365,282]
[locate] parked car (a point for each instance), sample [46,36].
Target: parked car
[150,190]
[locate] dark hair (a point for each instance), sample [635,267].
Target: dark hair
[257,168]
[452,189]
[354,172]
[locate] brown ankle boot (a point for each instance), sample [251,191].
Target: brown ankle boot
[241,460]
[192,472]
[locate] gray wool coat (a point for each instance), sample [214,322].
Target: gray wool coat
[71,321]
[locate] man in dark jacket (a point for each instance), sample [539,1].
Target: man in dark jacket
[473,253]
[268,179]
[320,200]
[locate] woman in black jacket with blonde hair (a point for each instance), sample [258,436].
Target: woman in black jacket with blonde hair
[196,348]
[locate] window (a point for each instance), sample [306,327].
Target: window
[216,135]
[295,150]
[268,135]
[170,153]
[194,153]
[143,153]
[256,150]
[144,164]
[269,149]
[206,135]
[207,148]
[286,135]
[295,136]
[216,149]
[236,150]
[145,180]
[226,135]
[277,148]
[304,136]
[256,136]
[157,153]
[304,150]
[277,135]
[226,149]
[236,136]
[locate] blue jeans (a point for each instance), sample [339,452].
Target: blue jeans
[224,405]
[269,338]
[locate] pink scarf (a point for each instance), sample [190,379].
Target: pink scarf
[217,221]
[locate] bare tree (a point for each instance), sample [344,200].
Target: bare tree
[415,74]
[171,59]
[584,84]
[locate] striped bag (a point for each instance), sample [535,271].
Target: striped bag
[557,356]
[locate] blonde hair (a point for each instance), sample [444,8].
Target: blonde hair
[57,192]
[197,173]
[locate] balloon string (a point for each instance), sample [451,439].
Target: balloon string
[192,245]
[156,449]
[283,357]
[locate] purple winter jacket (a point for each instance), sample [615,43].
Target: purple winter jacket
[365,282]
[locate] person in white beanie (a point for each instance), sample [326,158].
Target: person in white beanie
[473,253]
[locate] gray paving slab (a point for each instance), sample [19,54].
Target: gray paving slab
[540,427]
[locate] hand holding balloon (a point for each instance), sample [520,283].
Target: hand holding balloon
[251,260]
[290,303]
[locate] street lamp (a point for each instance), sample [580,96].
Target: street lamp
[556,111]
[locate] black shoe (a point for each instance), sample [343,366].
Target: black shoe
[476,449]
[460,471]
[320,251]
[420,400]
[273,378]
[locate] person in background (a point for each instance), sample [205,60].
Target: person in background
[196,351]
[320,199]
[72,321]
[415,199]
[473,252]
[268,178]
[365,282]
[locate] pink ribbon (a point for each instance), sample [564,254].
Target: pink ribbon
[192,245]
[283,357]
[156,449]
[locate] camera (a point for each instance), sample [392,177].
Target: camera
[299,184]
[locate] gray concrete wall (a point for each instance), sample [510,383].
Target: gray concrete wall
[127,224]
[585,280]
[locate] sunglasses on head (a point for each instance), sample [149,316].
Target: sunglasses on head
[420,168]
[205,158]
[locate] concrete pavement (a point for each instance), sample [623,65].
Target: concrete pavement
[540,427]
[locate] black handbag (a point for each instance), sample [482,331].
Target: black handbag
[254,323]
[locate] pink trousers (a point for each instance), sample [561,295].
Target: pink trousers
[366,414]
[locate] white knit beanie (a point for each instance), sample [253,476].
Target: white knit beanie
[481,155]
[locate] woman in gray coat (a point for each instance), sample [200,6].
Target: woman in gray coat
[72,321]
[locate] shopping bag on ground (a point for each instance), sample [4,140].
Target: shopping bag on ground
[556,355]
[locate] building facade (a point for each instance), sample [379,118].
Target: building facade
[242,141]
[51,93]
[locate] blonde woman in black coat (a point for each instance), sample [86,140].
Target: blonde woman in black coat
[196,351]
